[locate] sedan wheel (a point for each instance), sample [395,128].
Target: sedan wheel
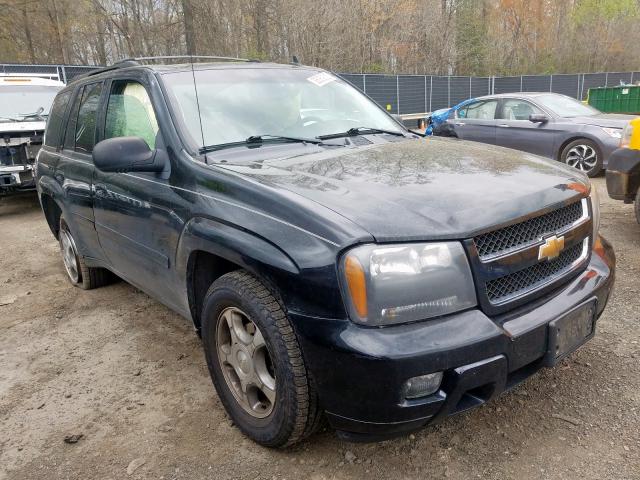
[583,155]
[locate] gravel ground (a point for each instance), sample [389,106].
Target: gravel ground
[124,381]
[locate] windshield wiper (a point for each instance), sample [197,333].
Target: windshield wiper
[352,132]
[259,139]
[37,113]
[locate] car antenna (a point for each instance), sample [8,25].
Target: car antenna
[195,88]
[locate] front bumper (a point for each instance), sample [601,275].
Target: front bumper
[359,371]
[16,177]
[607,146]
[623,175]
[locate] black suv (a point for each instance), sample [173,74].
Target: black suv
[333,262]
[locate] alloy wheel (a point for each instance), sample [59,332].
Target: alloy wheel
[583,157]
[69,256]
[245,362]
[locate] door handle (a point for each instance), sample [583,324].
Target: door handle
[460,124]
[503,125]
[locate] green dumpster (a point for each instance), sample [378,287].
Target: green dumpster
[622,99]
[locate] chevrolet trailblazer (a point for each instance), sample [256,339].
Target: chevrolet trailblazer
[334,263]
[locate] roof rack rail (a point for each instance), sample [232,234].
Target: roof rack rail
[116,65]
[135,61]
[188,57]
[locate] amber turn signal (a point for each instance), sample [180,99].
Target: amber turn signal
[356,281]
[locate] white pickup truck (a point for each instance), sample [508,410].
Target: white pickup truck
[25,101]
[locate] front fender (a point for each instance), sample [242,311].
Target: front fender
[310,289]
[234,244]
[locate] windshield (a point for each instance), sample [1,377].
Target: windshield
[236,104]
[566,106]
[16,101]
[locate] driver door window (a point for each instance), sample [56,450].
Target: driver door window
[514,130]
[130,113]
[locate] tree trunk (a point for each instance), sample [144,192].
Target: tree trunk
[27,33]
[189,29]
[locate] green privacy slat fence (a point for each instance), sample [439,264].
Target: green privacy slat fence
[405,94]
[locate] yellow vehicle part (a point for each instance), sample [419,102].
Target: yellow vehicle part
[631,135]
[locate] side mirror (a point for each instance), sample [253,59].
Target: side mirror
[538,118]
[128,154]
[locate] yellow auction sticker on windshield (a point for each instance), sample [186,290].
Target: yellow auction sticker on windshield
[321,79]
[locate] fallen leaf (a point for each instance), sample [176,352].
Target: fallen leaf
[135,464]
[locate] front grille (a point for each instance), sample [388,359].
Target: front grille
[515,236]
[521,282]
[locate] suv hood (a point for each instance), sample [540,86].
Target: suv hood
[611,120]
[422,189]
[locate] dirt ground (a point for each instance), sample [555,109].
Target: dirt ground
[129,376]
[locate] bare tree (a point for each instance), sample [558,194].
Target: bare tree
[466,37]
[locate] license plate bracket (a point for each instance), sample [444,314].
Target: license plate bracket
[567,333]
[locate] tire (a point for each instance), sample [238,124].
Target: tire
[78,273]
[584,155]
[285,409]
[637,206]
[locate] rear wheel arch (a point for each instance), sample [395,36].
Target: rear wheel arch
[52,213]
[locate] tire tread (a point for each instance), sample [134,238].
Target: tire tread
[306,411]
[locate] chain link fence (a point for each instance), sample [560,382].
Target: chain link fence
[64,73]
[411,94]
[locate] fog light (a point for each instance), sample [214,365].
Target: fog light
[422,386]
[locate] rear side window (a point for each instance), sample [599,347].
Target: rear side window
[70,135]
[485,110]
[130,113]
[85,132]
[56,120]
[81,127]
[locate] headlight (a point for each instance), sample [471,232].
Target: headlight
[613,132]
[595,211]
[625,138]
[387,284]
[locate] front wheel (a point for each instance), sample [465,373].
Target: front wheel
[584,155]
[255,362]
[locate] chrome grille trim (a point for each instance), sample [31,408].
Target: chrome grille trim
[520,236]
[523,282]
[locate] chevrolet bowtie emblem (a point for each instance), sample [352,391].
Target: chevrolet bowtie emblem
[551,248]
